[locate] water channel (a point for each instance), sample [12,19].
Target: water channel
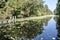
[42,29]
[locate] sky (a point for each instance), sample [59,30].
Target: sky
[51,4]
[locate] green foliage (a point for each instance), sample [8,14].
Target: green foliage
[23,8]
[57,10]
[2,3]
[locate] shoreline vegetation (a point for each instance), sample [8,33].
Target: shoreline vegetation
[32,18]
[57,9]
[23,8]
[14,19]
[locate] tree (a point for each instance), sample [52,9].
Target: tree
[57,10]
[22,8]
[2,3]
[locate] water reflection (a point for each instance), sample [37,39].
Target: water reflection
[23,30]
[50,32]
[58,27]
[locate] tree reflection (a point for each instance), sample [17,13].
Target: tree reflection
[58,27]
[24,30]
[2,36]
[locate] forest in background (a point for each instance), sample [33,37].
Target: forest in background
[23,8]
[57,10]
